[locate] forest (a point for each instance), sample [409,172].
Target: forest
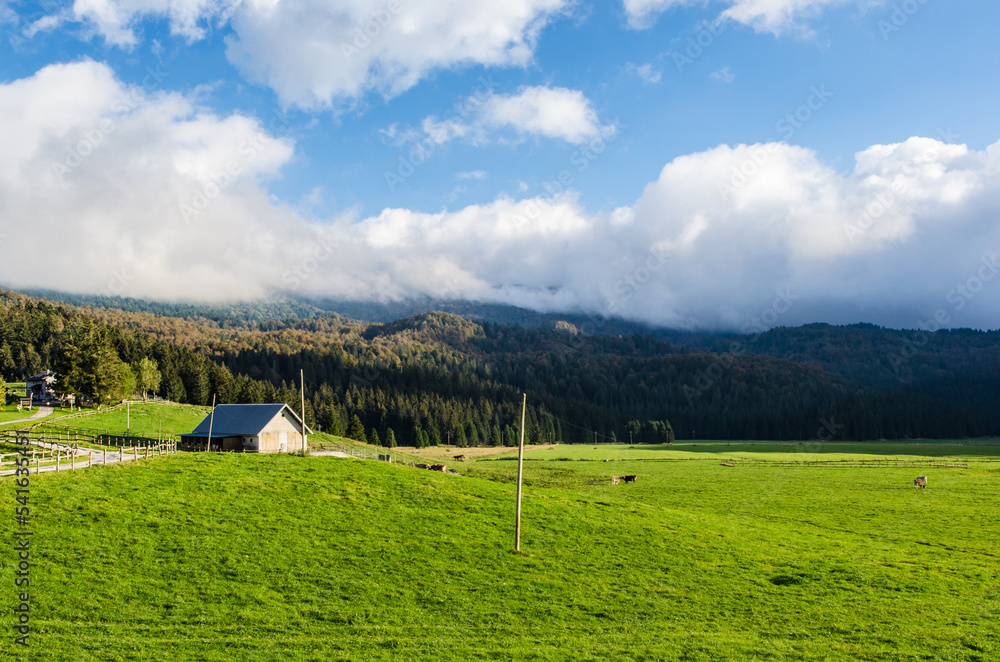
[436,377]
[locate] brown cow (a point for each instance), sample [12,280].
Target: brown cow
[615,480]
[921,482]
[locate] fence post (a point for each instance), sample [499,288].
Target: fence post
[57,462]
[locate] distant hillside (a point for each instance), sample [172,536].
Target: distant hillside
[434,376]
[254,312]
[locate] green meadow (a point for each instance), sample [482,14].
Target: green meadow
[252,557]
[143,419]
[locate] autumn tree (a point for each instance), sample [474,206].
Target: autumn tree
[147,376]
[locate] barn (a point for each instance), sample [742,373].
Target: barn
[272,428]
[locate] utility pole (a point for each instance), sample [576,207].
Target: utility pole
[211,419]
[302,377]
[520,473]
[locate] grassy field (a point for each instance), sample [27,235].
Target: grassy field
[10,413]
[248,557]
[144,420]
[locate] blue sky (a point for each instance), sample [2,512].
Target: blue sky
[427,159]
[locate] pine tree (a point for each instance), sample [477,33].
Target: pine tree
[434,437]
[355,430]
[390,439]
[460,439]
[473,437]
[495,439]
[375,441]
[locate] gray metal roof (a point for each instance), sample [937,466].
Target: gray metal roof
[242,420]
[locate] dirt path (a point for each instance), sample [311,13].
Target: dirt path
[41,413]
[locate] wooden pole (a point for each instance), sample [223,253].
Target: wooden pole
[302,378]
[211,419]
[520,473]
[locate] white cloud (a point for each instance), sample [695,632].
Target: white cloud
[472,174]
[723,75]
[114,20]
[152,196]
[779,16]
[45,24]
[642,13]
[322,53]
[648,73]
[774,16]
[549,112]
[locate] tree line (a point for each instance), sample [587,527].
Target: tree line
[437,378]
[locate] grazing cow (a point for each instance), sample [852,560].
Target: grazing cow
[439,467]
[615,480]
[921,482]
[629,479]
[460,457]
[420,465]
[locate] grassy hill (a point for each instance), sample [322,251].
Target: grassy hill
[142,419]
[245,557]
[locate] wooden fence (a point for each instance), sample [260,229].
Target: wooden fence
[857,463]
[53,455]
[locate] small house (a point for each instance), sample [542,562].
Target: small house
[272,428]
[41,387]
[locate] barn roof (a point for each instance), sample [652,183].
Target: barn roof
[242,420]
[40,376]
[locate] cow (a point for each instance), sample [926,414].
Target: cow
[629,479]
[420,465]
[439,467]
[921,482]
[615,480]
[460,457]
